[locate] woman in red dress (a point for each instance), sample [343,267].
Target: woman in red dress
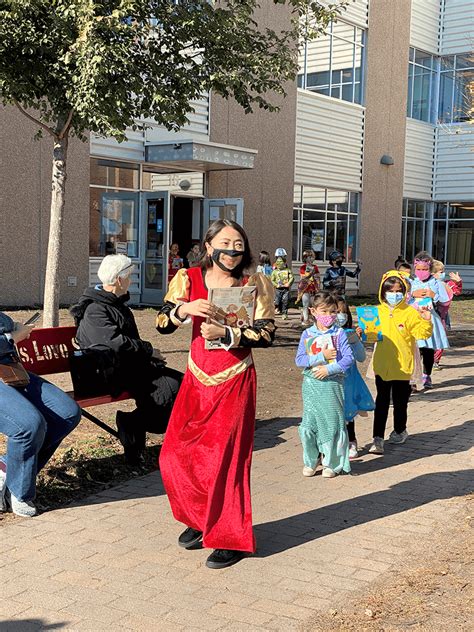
[207,452]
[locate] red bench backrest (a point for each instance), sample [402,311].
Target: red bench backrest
[47,350]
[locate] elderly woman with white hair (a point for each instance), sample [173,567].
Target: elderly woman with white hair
[103,319]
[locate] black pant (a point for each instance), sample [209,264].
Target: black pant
[282,296]
[400,391]
[427,356]
[351,431]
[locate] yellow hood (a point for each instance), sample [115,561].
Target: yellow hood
[394,273]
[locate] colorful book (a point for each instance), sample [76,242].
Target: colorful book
[316,344]
[235,308]
[369,322]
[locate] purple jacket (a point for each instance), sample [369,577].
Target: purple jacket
[344,358]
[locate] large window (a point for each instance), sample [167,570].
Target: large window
[333,64]
[445,230]
[440,89]
[324,220]
[456,91]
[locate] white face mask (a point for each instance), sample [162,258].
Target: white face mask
[341,319]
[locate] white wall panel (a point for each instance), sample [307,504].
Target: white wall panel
[329,137]
[131,149]
[419,155]
[357,11]
[457,33]
[425,25]
[454,163]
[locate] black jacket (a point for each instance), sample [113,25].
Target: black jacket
[104,319]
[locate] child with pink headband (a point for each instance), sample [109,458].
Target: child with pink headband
[426,290]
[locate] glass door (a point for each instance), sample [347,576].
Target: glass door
[224,208]
[155,246]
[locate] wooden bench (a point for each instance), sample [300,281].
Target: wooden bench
[46,352]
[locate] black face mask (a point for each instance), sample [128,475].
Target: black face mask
[338,262]
[229,253]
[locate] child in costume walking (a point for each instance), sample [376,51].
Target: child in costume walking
[325,355]
[426,290]
[308,285]
[264,264]
[334,279]
[401,325]
[453,288]
[357,398]
[282,279]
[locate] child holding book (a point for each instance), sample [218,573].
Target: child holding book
[400,326]
[282,279]
[325,355]
[357,397]
[428,291]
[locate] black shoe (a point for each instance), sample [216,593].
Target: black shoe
[222,558]
[189,538]
[132,441]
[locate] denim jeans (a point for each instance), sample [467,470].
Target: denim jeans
[35,419]
[282,296]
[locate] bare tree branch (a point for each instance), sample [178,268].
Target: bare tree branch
[32,118]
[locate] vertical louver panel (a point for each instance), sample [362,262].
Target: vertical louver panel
[457,34]
[454,163]
[425,25]
[419,155]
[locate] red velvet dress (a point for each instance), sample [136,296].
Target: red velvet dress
[207,452]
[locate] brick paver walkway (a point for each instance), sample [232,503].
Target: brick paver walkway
[111,562]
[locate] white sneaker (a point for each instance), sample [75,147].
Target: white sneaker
[396,437]
[23,508]
[3,489]
[377,446]
[353,454]
[328,473]
[310,471]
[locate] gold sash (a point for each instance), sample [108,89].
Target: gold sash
[223,376]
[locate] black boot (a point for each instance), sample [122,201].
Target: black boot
[222,558]
[131,436]
[190,538]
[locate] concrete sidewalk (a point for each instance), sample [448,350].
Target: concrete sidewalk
[111,562]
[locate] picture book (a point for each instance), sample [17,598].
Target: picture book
[235,308]
[369,322]
[426,302]
[316,344]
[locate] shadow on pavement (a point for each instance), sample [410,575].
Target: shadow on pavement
[315,524]
[28,625]
[269,432]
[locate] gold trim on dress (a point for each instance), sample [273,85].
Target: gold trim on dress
[223,376]
[178,291]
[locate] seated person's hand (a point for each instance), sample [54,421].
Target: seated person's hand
[21,332]
[211,331]
[320,372]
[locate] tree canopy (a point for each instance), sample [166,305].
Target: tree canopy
[101,65]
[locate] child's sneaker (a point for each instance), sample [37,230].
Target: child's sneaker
[437,367]
[396,437]
[310,471]
[353,450]
[328,473]
[377,446]
[427,383]
[284,316]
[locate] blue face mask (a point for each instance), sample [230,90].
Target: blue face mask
[393,298]
[341,319]
[442,276]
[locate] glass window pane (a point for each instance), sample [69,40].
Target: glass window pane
[410,243]
[341,233]
[317,79]
[419,237]
[342,58]
[412,54]
[357,93]
[347,92]
[336,77]
[461,211]
[463,95]
[421,96]
[318,60]
[424,59]
[296,213]
[113,219]
[330,237]
[314,216]
[114,174]
[313,237]
[299,81]
[336,92]
[351,254]
[354,202]
[410,90]
[439,235]
[324,91]
[314,198]
[461,243]
[410,208]
[420,209]
[295,249]
[447,63]
[465,61]
[440,210]
[446,87]
[338,201]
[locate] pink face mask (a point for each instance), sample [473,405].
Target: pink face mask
[423,275]
[326,320]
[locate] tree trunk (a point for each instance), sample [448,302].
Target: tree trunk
[52,278]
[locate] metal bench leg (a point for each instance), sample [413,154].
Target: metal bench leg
[99,423]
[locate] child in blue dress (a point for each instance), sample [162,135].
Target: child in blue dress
[427,291]
[357,397]
[325,355]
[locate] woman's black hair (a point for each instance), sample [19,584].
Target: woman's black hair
[326,299]
[346,310]
[214,229]
[264,258]
[389,284]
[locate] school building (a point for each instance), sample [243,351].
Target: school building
[372,153]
